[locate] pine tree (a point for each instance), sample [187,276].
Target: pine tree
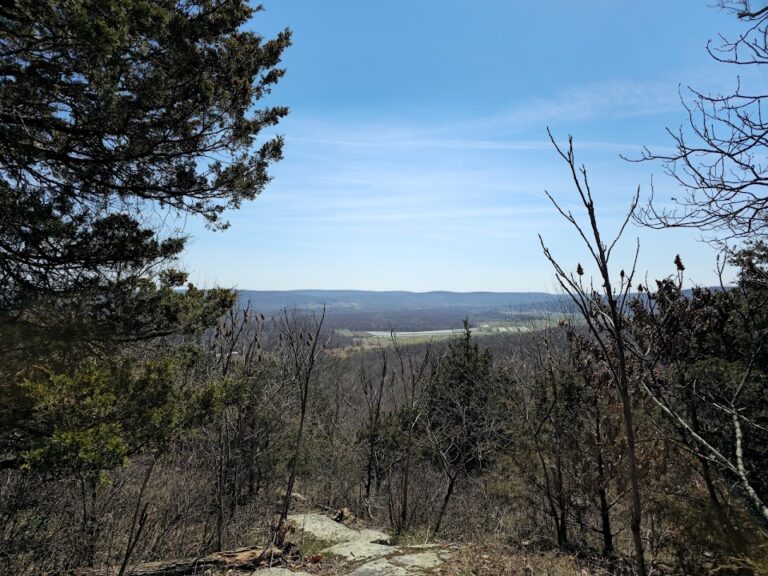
[120,119]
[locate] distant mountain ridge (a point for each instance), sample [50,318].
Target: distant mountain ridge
[382,301]
[362,310]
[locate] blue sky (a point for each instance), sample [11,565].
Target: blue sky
[416,151]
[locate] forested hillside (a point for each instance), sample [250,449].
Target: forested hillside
[360,310]
[144,419]
[273,301]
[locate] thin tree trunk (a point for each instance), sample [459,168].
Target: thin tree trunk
[292,475]
[706,473]
[548,491]
[634,478]
[444,507]
[220,493]
[754,498]
[139,519]
[374,414]
[602,492]
[303,369]
[562,504]
[89,491]
[403,521]
[622,383]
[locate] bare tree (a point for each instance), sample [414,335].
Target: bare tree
[373,391]
[604,310]
[300,344]
[720,157]
[412,372]
[139,519]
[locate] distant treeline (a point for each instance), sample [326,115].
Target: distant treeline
[269,301]
[362,311]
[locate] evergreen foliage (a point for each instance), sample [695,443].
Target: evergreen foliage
[119,119]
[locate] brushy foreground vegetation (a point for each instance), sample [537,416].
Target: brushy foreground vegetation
[187,446]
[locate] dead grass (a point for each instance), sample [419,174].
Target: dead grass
[499,560]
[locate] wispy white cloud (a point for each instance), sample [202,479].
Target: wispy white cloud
[374,138]
[504,130]
[612,99]
[365,197]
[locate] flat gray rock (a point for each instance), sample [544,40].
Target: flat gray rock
[419,560]
[380,567]
[360,550]
[367,552]
[277,572]
[323,528]
[367,535]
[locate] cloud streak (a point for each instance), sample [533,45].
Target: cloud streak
[501,131]
[435,203]
[613,99]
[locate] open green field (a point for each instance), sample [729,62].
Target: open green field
[481,329]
